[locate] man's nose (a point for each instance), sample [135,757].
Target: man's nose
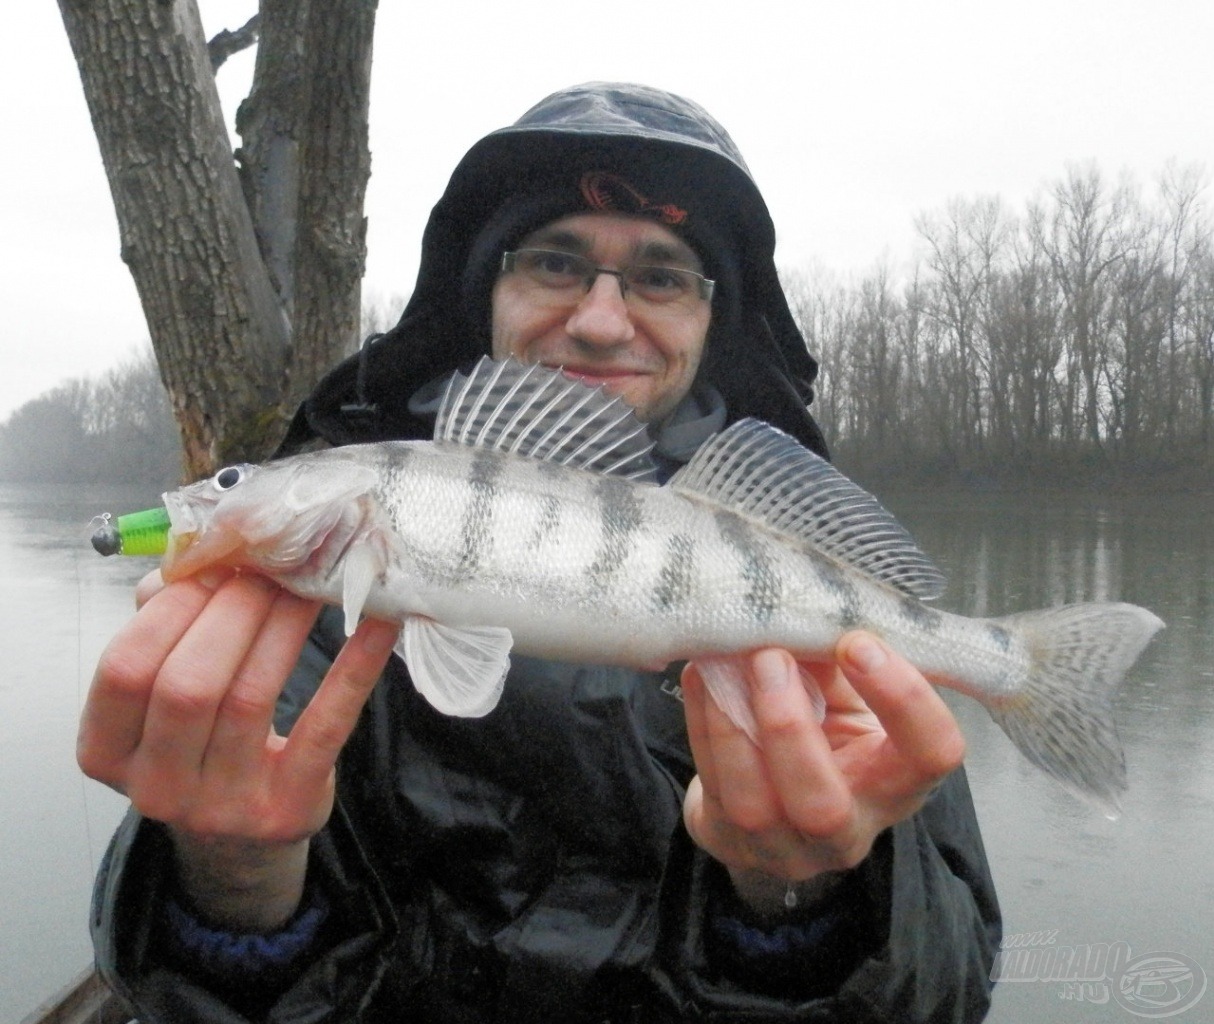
[602,317]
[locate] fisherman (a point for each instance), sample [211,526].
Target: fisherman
[605,845]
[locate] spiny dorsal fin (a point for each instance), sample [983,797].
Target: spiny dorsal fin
[760,471]
[541,414]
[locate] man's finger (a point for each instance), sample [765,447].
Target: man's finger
[797,756]
[246,714]
[695,698]
[730,765]
[112,723]
[914,716]
[330,717]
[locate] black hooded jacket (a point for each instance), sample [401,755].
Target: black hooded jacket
[532,865]
[755,355]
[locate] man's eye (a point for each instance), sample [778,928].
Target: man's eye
[659,279]
[555,264]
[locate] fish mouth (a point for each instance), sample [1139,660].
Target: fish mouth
[189,552]
[192,546]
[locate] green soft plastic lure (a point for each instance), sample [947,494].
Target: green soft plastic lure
[138,533]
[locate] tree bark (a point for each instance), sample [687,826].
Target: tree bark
[221,313]
[316,111]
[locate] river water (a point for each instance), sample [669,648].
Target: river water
[1131,902]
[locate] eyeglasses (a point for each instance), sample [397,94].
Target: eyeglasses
[566,277]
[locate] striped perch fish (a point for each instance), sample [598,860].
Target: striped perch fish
[533,521]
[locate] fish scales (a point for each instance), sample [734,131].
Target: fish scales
[533,522]
[595,575]
[594,596]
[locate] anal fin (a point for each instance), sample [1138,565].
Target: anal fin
[727,685]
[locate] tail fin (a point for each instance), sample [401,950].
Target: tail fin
[1062,720]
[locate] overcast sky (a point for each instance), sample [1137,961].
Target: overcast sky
[853,116]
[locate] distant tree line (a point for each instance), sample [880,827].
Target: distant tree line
[1071,343]
[1076,339]
[118,427]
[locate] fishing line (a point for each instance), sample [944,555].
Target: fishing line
[84,786]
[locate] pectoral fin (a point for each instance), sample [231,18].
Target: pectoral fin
[459,671]
[362,564]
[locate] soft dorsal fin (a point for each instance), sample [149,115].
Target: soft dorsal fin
[541,414]
[760,471]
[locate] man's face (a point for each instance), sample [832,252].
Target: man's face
[647,355]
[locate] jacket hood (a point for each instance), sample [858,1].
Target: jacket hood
[669,146]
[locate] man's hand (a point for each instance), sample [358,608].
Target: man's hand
[810,799]
[179,718]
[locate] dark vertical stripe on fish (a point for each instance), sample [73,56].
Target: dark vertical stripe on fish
[837,584]
[1000,637]
[763,590]
[390,466]
[620,512]
[476,528]
[675,576]
[920,616]
[547,522]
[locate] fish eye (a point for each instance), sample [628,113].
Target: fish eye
[228,478]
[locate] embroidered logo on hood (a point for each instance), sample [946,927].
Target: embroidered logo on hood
[605,191]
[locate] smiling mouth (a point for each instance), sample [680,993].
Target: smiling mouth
[600,374]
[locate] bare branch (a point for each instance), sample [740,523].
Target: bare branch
[226,43]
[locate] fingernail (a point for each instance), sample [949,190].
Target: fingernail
[866,654]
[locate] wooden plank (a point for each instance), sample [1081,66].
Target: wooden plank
[86,999]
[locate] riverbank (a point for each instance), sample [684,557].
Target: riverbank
[1058,474]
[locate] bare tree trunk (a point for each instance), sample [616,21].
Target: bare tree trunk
[234,350]
[1085,243]
[331,251]
[964,245]
[305,163]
